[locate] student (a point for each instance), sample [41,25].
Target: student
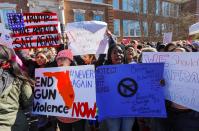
[40,60]
[116,55]
[169,47]
[131,54]
[65,58]
[42,123]
[15,93]
[179,118]
[145,123]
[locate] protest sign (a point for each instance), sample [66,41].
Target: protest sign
[5,38]
[194,29]
[66,92]
[34,30]
[167,37]
[87,37]
[130,91]
[194,34]
[181,76]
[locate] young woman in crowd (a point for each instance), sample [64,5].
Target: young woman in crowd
[90,59]
[15,93]
[116,55]
[148,49]
[160,47]
[182,118]
[144,123]
[179,118]
[169,47]
[131,54]
[65,58]
[41,60]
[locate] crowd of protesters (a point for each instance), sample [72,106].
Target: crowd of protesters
[17,80]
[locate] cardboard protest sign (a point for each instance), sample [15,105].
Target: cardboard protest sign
[87,37]
[131,90]
[194,34]
[167,38]
[194,29]
[66,92]
[5,38]
[34,30]
[181,75]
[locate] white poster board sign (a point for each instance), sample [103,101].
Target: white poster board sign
[167,37]
[181,75]
[66,92]
[87,37]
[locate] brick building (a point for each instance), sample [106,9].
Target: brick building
[135,19]
[11,6]
[80,10]
[17,5]
[189,15]
[191,7]
[145,19]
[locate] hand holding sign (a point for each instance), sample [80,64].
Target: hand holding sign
[130,91]
[181,75]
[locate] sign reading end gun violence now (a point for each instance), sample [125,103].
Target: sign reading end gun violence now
[33,30]
[181,75]
[130,91]
[66,92]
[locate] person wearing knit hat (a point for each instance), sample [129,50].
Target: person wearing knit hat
[64,58]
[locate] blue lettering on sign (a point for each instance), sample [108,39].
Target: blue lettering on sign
[82,78]
[82,83]
[81,74]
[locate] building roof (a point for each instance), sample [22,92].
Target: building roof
[90,2]
[179,1]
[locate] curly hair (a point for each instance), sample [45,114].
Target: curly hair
[109,61]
